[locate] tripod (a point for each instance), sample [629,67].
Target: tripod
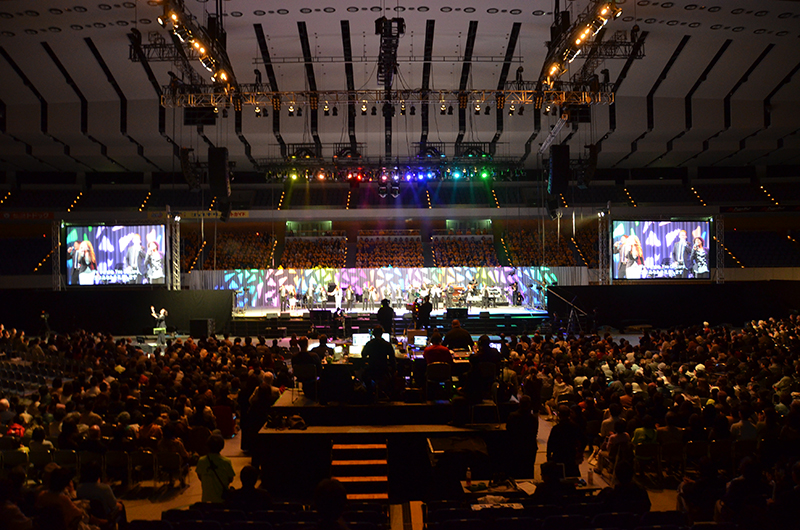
[575,312]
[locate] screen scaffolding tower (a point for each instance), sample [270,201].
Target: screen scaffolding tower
[174,226]
[719,229]
[55,255]
[603,250]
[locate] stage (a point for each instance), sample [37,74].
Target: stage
[402,312]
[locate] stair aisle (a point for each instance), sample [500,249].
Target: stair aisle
[362,469]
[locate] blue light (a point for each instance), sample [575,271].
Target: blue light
[430,175]
[456,175]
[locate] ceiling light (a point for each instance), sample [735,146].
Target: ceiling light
[443,109]
[477,108]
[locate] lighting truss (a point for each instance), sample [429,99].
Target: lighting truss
[208,49]
[254,95]
[571,43]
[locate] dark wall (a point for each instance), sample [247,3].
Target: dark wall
[120,312]
[666,305]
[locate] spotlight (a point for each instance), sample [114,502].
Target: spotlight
[363,109]
[335,111]
[487,110]
[511,110]
[484,174]
[443,109]
[326,110]
[374,110]
[162,22]
[293,175]
[413,110]
[258,111]
[450,110]
[395,191]
[216,110]
[291,109]
[382,191]
[208,63]
[403,108]
[321,175]
[477,109]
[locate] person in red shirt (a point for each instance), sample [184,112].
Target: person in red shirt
[436,353]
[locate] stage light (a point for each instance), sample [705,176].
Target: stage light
[174,17]
[450,110]
[403,108]
[395,191]
[326,110]
[291,109]
[293,176]
[258,111]
[321,175]
[443,109]
[363,109]
[430,174]
[335,111]
[487,110]
[222,75]
[216,110]
[413,110]
[177,218]
[374,110]
[382,192]
[477,109]
[484,174]
[162,22]
[409,175]
[511,109]
[456,175]
[208,63]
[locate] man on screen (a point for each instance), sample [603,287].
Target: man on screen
[681,256]
[134,259]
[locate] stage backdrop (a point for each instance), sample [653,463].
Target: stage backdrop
[259,287]
[118,311]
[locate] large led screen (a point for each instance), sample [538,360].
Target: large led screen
[644,250]
[115,255]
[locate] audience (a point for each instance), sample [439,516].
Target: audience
[464,252]
[237,250]
[311,253]
[389,252]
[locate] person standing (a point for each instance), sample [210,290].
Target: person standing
[458,338]
[161,323]
[386,316]
[349,297]
[424,313]
[154,264]
[215,471]
[680,256]
[523,427]
[566,443]
[699,257]
[284,299]
[337,297]
[133,263]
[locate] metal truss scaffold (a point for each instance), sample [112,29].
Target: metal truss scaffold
[719,229]
[175,252]
[603,249]
[55,256]
[254,95]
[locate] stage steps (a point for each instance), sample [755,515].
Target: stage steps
[362,468]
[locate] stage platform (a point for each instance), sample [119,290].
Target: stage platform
[492,321]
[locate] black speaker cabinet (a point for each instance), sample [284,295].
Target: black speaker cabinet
[202,327]
[218,174]
[457,312]
[558,180]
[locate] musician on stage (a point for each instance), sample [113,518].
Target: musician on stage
[337,297]
[487,299]
[349,297]
[515,294]
[160,324]
[436,296]
[283,297]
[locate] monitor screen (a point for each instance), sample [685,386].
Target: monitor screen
[420,341]
[115,255]
[360,339]
[642,250]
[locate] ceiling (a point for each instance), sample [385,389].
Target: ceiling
[61,111]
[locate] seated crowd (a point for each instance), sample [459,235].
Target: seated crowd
[311,253]
[236,250]
[106,397]
[526,248]
[389,252]
[728,398]
[464,252]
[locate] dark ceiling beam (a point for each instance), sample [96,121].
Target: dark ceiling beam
[612,109]
[726,103]
[462,87]
[273,86]
[767,104]
[537,128]
[43,122]
[426,85]
[84,126]
[135,39]
[501,83]
[651,96]
[237,127]
[687,100]
[123,101]
[28,147]
[202,133]
[313,112]
[351,86]
[780,145]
